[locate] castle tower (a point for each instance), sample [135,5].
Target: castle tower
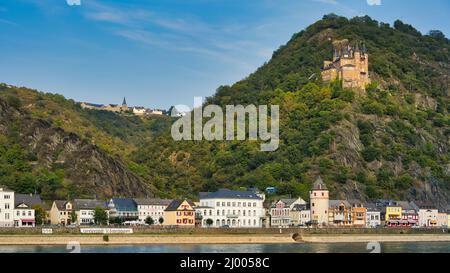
[319,197]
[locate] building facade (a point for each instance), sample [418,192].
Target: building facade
[373,215]
[85,210]
[61,213]
[180,212]
[339,213]
[393,215]
[442,220]
[6,207]
[428,217]
[234,208]
[301,215]
[350,65]
[123,208]
[358,213]
[319,203]
[24,213]
[152,207]
[282,214]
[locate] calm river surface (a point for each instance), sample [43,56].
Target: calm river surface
[419,247]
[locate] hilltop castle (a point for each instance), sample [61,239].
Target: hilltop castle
[350,64]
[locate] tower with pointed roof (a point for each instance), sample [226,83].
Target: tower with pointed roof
[124,106]
[319,203]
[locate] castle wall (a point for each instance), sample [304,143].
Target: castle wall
[352,70]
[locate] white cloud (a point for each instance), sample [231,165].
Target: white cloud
[374,2]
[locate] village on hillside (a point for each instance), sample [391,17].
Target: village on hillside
[124,108]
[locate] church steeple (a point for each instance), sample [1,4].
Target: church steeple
[124,103]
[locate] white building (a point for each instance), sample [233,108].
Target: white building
[85,210]
[157,112]
[428,217]
[6,207]
[24,214]
[203,213]
[233,208]
[373,216]
[281,212]
[139,111]
[152,207]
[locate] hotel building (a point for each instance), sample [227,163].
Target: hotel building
[234,208]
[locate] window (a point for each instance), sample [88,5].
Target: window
[7,196]
[7,206]
[218,204]
[254,204]
[228,204]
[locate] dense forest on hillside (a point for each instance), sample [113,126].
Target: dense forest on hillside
[389,142]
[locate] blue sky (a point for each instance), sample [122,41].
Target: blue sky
[159,53]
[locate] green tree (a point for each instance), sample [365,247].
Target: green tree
[209,222]
[149,221]
[39,214]
[100,216]
[73,217]
[161,220]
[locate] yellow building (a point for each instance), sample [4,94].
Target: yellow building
[60,213]
[393,214]
[350,64]
[180,213]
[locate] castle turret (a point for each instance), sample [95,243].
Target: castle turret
[319,202]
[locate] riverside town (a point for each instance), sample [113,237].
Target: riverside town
[224,208]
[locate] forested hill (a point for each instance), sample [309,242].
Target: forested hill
[391,142]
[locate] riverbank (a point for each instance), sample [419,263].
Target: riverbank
[143,239]
[352,238]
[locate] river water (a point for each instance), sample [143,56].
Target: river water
[410,247]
